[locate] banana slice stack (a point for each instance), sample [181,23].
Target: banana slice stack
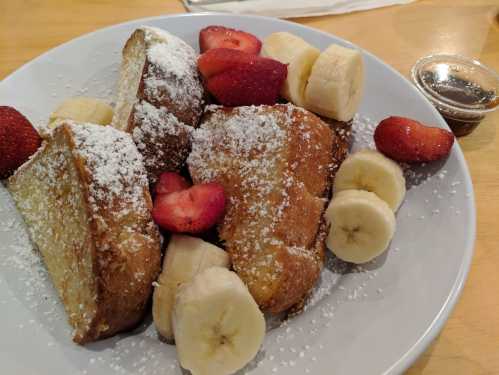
[329,83]
[372,171]
[300,57]
[185,257]
[217,325]
[368,188]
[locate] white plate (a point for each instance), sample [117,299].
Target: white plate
[369,321]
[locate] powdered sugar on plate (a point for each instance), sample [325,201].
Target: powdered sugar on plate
[22,269]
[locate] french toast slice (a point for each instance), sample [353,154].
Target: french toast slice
[275,163]
[160,97]
[85,200]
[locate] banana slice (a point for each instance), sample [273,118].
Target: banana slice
[82,109]
[362,225]
[372,171]
[185,257]
[336,83]
[218,326]
[299,55]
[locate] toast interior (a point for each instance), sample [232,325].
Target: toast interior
[48,192]
[131,71]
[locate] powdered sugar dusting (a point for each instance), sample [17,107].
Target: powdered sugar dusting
[172,70]
[155,121]
[114,163]
[362,131]
[161,138]
[247,133]
[240,137]
[22,269]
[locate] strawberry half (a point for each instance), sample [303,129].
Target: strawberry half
[193,210]
[18,140]
[255,83]
[408,140]
[218,60]
[170,182]
[223,37]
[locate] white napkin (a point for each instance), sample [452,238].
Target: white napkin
[291,8]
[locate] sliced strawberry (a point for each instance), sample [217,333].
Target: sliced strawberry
[170,182]
[219,60]
[18,140]
[223,37]
[407,140]
[193,210]
[258,82]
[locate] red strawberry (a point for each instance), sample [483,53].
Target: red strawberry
[218,60]
[193,210]
[18,140]
[170,182]
[249,84]
[407,140]
[223,37]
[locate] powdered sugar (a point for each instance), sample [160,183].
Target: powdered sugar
[113,161]
[172,69]
[162,139]
[249,131]
[155,122]
[22,269]
[178,52]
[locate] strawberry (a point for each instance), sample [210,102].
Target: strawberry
[407,140]
[238,78]
[258,82]
[18,140]
[218,60]
[223,37]
[193,210]
[170,182]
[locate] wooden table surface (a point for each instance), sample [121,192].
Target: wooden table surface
[469,343]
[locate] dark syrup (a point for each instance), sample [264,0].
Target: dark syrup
[463,92]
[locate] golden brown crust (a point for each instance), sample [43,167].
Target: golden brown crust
[308,281]
[121,295]
[187,109]
[342,143]
[189,115]
[163,141]
[277,183]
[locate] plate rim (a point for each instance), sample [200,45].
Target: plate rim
[436,325]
